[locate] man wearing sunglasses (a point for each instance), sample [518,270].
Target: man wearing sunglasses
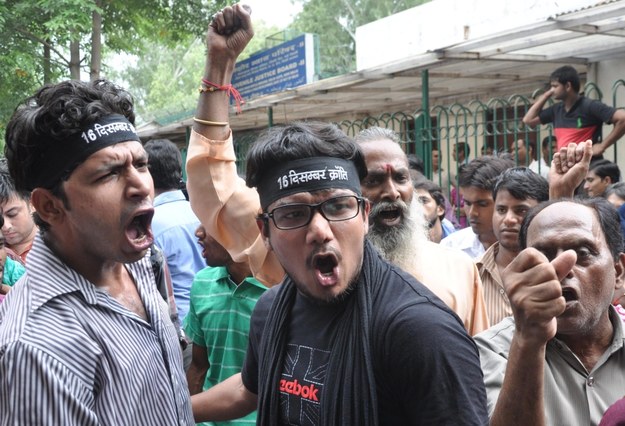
[346,338]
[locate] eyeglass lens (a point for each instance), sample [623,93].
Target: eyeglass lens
[334,209]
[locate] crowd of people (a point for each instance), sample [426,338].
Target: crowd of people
[334,284]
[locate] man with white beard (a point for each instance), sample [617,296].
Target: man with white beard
[397,228]
[398,243]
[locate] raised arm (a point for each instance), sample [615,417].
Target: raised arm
[568,169]
[228,34]
[533,287]
[219,197]
[531,117]
[618,120]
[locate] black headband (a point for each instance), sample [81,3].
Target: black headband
[59,160]
[307,175]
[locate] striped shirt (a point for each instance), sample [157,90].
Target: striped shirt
[495,298]
[70,354]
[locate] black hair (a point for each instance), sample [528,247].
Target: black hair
[532,147]
[51,116]
[522,184]
[463,147]
[165,164]
[617,189]
[54,114]
[415,163]
[546,141]
[435,192]
[606,213]
[482,172]
[279,145]
[8,190]
[566,74]
[603,168]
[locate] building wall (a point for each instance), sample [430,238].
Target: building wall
[607,75]
[442,23]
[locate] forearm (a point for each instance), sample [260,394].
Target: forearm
[557,192]
[531,117]
[214,106]
[228,400]
[521,399]
[196,375]
[615,134]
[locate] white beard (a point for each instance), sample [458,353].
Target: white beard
[399,244]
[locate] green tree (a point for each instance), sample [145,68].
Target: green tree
[335,22]
[42,41]
[165,86]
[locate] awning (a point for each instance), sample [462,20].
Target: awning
[515,61]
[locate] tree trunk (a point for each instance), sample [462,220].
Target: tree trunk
[74,61]
[47,73]
[96,43]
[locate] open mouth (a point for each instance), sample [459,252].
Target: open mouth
[139,229]
[385,213]
[569,295]
[325,264]
[390,214]
[325,267]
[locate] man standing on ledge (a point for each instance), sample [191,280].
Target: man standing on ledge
[577,118]
[323,344]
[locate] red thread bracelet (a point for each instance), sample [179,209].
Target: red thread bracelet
[229,88]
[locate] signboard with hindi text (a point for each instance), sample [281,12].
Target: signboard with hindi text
[285,66]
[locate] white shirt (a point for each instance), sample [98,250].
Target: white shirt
[535,166]
[465,240]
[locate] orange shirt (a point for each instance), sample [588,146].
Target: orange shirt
[227,207]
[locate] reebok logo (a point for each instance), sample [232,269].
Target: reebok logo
[294,388]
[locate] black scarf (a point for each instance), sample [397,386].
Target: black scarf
[349,392]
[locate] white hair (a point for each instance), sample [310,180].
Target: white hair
[400,244]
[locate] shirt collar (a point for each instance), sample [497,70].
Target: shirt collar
[168,197]
[51,277]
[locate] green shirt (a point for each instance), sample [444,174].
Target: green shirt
[13,271]
[219,320]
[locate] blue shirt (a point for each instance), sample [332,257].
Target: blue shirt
[174,226]
[448,227]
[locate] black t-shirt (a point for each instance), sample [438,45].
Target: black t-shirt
[582,122]
[427,368]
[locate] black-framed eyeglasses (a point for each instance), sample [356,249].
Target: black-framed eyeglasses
[292,216]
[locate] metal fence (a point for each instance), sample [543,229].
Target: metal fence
[484,127]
